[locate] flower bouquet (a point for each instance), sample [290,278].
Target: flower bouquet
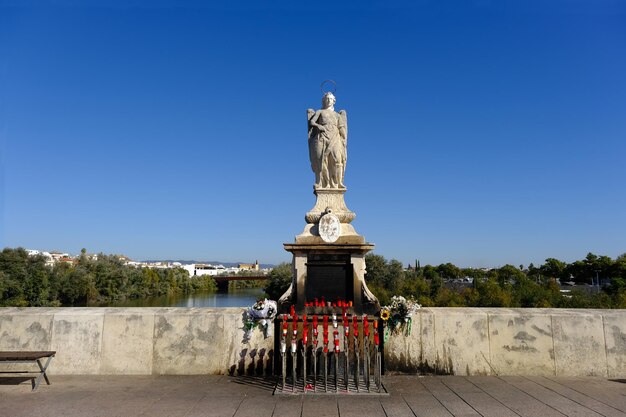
[398,315]
[261,315]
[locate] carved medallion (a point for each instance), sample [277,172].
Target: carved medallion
[329,228]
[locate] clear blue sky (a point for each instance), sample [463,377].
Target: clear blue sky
[480,132]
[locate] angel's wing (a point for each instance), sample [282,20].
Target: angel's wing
[309,115]
[343,125]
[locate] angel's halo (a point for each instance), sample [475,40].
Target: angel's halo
[325,83]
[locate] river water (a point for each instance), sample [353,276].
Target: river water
[241,297]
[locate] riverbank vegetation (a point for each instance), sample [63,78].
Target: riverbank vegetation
[447,285]
[26,281]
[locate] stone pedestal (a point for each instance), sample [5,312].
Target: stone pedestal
[332,201]
[332,198]
[330,270]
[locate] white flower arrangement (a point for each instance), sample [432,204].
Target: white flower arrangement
[398,315]
[261,315]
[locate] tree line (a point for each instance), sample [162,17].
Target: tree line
[26,281]
[507,286]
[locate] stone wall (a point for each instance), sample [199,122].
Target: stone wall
[460,341]
[500,341]
[136,341]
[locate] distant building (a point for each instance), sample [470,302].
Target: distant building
[68,260]
[204,269]
[57,256]
[49,259]
[249,267]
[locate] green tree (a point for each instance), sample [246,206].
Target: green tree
[36,290]
[384,278]
[375,266]
[527,293]
[278,281]
[597,267]
[448,271]
[14,268]
[577,271]
[491,294]
[204,283]
[416,286]
[77,286]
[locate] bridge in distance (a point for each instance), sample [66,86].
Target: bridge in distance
[223,280]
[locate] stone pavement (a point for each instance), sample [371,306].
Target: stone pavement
[194,396]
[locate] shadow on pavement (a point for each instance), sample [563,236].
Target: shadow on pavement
[15,380]
[263,383]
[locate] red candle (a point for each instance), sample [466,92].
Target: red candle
[376,337]
[315,327]
[323,302]
[305,329]
[350,304]
[355,324]
[366,327]
[293,310]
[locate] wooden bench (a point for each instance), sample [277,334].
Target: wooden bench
[29,357]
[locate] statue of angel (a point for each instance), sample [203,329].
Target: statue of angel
[328,136]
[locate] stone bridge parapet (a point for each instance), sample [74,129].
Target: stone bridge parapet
[459,341]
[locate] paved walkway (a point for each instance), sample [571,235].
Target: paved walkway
[432,396]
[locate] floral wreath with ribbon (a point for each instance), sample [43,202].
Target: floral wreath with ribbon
[398,315]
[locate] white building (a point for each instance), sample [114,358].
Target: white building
[50,259]
[205,269]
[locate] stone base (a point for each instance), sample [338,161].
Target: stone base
[347,257]
[329,198]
